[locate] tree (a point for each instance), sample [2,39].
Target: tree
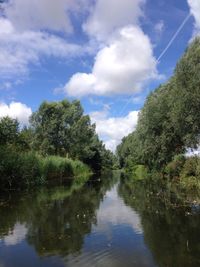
[52,126]
[9,131]
[61,128]
[169,122]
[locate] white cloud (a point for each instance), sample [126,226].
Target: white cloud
[17,236]
[48,14]
[109,214]
[195,11]
[125,62]
[27,32]
[122,67]
[112,130]
[6,26]
[20,49]
[16,110]
[107,16]
[159,27]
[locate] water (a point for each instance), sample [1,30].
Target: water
[97,225]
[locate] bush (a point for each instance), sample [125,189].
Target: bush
[190,183]
[29,169]
[190,167]
[139,172]
[173,169]
[9,167]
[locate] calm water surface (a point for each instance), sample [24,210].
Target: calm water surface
[98,225]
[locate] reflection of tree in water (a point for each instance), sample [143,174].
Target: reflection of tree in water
[56,219]
[58,227]
[172,234]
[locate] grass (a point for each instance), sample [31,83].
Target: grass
[28,169]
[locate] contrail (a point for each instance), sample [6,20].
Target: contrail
[174,37]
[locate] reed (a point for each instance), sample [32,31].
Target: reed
[27,169]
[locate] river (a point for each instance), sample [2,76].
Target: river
[99,225]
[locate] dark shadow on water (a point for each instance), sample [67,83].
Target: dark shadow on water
[171,230]
[56,219]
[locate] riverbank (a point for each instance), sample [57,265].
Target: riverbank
[167,129]
[23,170]
[178,184]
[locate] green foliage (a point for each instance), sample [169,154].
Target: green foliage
[170,223]
[27,169]
[25,139]
[61,128]
[57,145]
[56,218]
[190,167]
[9,131]
[169,122]
[190,183]
[173,169]
[190,174]
[139,172]
[52,126]
[54,167]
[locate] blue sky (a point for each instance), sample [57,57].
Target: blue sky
[101,52]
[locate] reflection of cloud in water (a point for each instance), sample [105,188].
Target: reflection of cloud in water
[114,211]
[17,235]
[115,240]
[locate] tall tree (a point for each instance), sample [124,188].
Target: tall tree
[61,128]
[169,122]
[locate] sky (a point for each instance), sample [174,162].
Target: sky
[108,54]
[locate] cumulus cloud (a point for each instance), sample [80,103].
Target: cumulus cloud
[48,14]
[121,67]
[112,130]
[125,61]
[16,110]
[19,49]
[25,38]
[107,16]
[195,11]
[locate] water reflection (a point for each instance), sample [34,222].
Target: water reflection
[56,227]
[105,223]
[171,233]
[113,212]
[16,236]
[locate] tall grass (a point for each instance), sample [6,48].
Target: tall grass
[22,170]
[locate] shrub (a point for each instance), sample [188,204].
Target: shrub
[173,169]
[29,169]
[190,183]
[190,174]
[190,167]
[139,172]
